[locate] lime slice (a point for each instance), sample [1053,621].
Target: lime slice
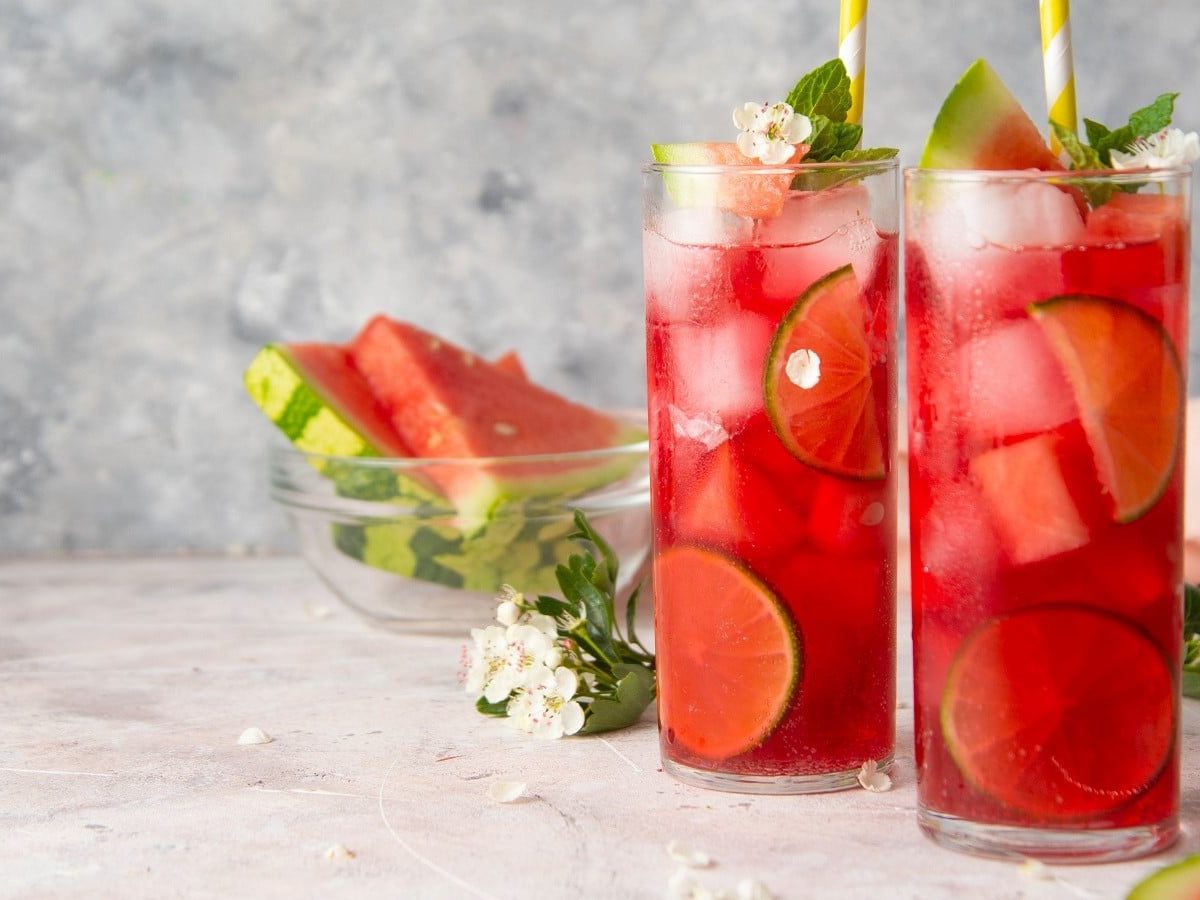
[1129,385]
[729,657]
[1035,701]
[1180,881]
[818,387]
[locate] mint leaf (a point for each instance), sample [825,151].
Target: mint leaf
[1142,123]
[868,155]
[1082,156]
[633,693]
[830,139]
[825,91]
[1153,118]
[1095,131]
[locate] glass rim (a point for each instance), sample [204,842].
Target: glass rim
[287,452]
[857,165]
[1110,176]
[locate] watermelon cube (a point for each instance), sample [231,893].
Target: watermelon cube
[1024,486]
[1011,384]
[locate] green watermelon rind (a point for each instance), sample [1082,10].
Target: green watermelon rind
[313,423]
[1180,881]
[508,550]
[974,117]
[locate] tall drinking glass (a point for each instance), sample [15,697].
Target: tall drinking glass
[770,311]
[1047,349]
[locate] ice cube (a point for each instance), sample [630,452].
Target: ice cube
[704,427]
[812,216]
[718,368]
[690,265]
[1011,384]
[704,227]
[1029,214]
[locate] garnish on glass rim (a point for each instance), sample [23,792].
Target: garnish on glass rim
[815,111]
[557,667]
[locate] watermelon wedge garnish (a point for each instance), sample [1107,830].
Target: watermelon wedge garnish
[981,125]
[755,196]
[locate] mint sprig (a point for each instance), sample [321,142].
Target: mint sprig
[824,96]
[1102,141]
[1142,123]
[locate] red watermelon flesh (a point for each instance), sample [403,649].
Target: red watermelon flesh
[510,363]
[447,402]
[328,369]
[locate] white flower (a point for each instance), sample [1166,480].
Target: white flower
[872,779]
[770,132]
[544,706]
[1164,150]
[487,664]
[545,624]
[507,613]
[506,791]
[554,657]
[803,369]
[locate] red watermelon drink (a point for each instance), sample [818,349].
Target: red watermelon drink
[1047,342]
[770,304]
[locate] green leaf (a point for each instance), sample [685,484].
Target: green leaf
[1191,610]
[1095,131]
[576,586]
[1153,118]
[832,140]
[552,606]
[492,709]
[1082,156]
[1191,684]
[631,615]
[633,693]
[825,91]
[873,153]
[585,532]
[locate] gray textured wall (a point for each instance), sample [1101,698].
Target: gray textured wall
[182,180]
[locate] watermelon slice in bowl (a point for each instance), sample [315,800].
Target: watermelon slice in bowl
[398,494]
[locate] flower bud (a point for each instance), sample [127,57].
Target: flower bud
[507,613]
[554,657]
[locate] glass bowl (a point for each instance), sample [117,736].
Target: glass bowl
[379,532]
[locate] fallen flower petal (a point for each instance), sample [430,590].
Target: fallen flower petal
[1035,870]
[753,889]
[254,736]
[503,791]
[339,853]
[872,779]
[686,856]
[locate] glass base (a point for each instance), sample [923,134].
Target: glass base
[1049,845]
[768,784]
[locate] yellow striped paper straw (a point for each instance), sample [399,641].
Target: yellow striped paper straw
[852,50]
[1059,66]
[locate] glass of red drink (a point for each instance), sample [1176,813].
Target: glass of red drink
[1047,348]
[770,311]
